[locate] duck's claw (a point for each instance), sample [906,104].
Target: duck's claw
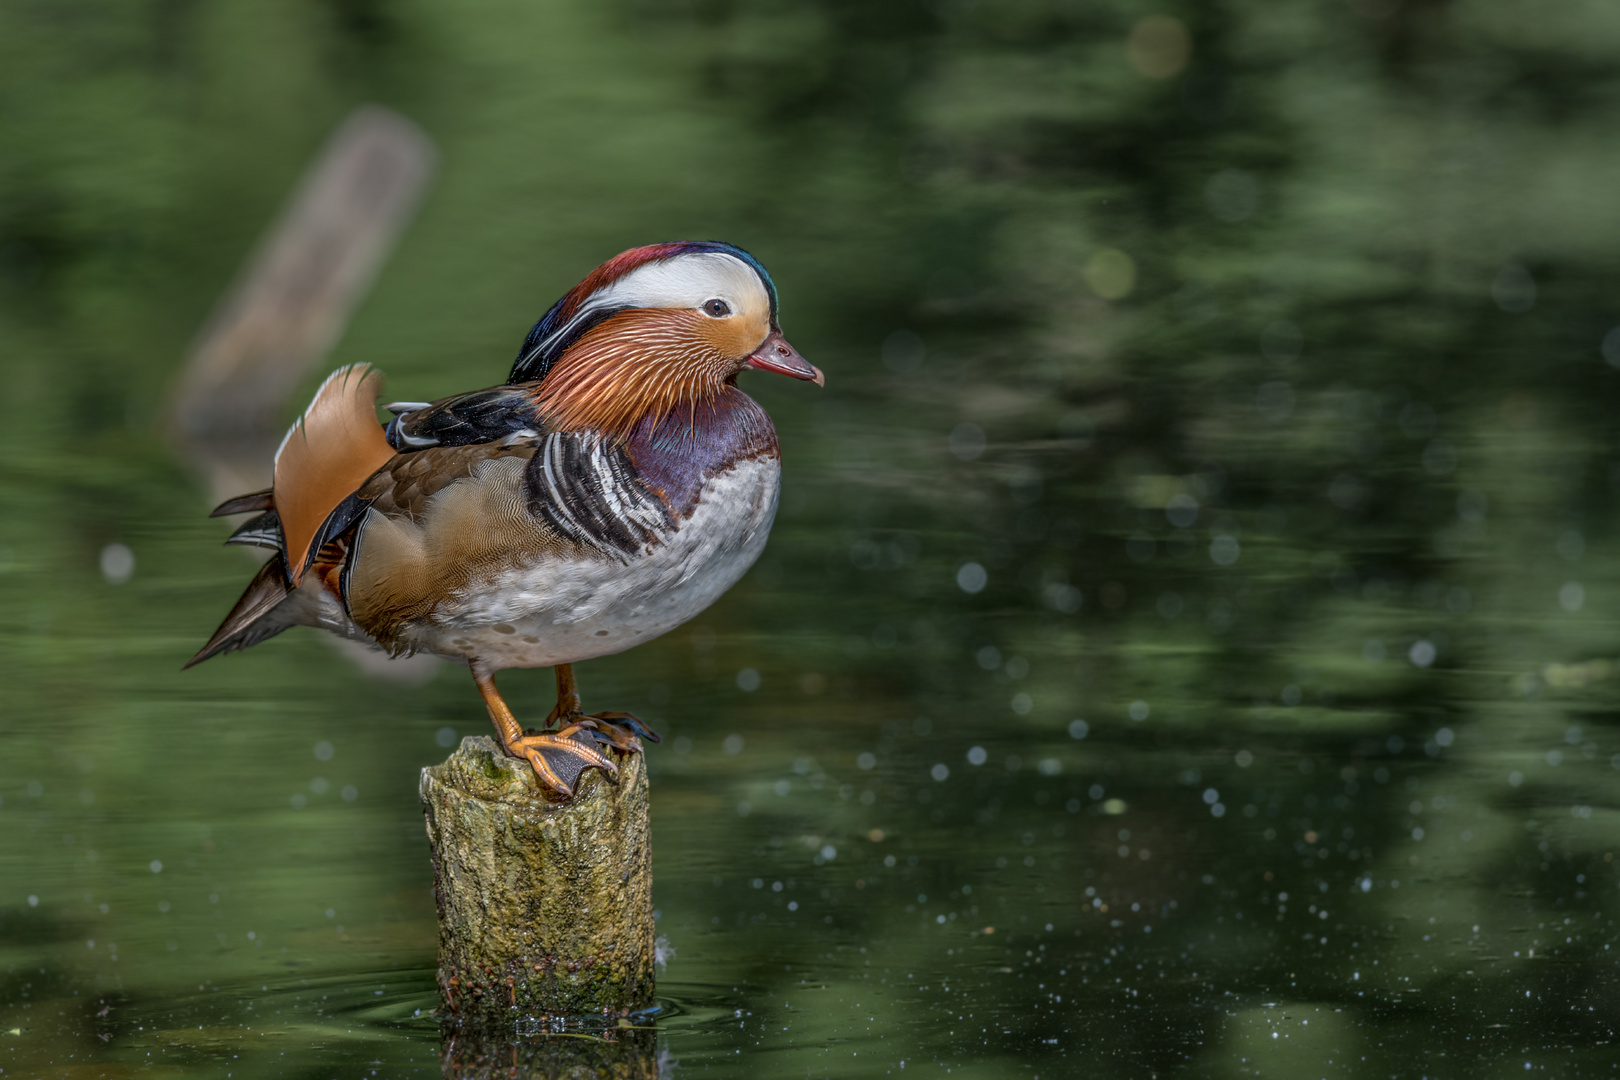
[586,730]
[620,730]
[606,732]
[628,721]
[561,759]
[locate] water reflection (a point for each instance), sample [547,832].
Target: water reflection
[624,1053]
[1184,645]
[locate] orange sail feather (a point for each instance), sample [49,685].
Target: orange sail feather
[326,456]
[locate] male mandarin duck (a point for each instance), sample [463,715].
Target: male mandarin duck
[613,488]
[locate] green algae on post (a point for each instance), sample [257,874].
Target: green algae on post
[545,906]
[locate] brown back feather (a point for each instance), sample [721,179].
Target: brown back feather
[413,556]
[326,456]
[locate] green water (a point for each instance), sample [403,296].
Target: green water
[1263,405]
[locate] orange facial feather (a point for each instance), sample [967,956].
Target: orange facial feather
[641,362]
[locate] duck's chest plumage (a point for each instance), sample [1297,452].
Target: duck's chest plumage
[563,547]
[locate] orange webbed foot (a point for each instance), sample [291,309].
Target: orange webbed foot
[559,759]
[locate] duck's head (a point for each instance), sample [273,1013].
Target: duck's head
[656,329]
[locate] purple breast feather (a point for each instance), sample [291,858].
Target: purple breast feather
[678,454]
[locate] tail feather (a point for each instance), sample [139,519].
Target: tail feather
[252,502]
[254,618]
[263,531]
[326,456]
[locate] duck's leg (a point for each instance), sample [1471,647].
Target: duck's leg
[568,703]
[558,758]
[622,729]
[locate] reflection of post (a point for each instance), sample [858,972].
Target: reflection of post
[294,297]
[625,1053]
[545,907]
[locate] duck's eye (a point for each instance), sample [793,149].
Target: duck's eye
[719,309]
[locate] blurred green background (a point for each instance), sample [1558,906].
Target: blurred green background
[1185,647]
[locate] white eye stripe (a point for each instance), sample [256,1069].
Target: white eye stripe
[685,281]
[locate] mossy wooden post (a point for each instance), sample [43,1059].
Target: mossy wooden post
[545,907]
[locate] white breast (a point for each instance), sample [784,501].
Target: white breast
[560,611]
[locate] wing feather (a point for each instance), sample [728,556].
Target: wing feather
[480,416]
[327,455]
[586,489]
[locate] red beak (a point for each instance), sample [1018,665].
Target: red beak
[775,354]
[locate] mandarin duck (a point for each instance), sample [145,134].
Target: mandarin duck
[615,486]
